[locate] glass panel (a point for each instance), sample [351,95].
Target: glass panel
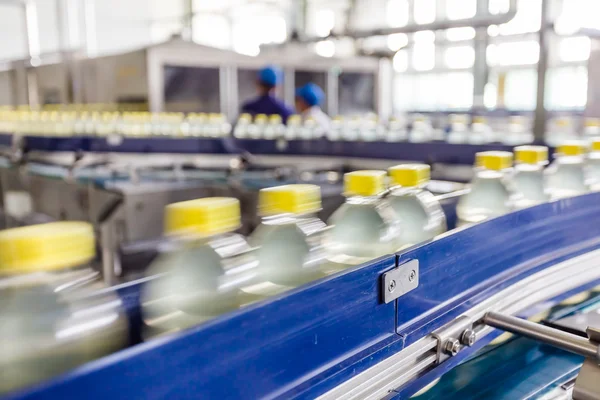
[459,57]
[423,57]
[397,13]
[456,91]
[521,89]
[191,89]
[460,9]
[528,18]
[518,53]
[424,11]
[455,34]
[567,88]
[574,49]
[356,92]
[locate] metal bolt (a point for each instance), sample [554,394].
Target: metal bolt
[392,286]
[452,347]
[412,276]
[468,337]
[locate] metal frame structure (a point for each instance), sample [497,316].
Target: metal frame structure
[337,338]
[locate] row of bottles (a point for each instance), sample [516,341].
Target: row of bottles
[498,188]
[49,322]
[208,269]
[129,124]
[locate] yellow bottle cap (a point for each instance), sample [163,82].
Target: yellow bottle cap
[479,120]
[275,119]
[563,122]
[592,122]
[571,149]
[410,175]
[364,183]
[289,199]
[494,160]
[245,117]
[531,154]
[294,119]
[203,217]
[260,118]
[596,145]
[46,247]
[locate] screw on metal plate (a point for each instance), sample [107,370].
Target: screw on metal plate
[392,286]
[400,280]
[452,347]
[468,337]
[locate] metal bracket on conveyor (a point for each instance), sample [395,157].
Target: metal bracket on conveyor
[587,384]
[453,338]
[400,280]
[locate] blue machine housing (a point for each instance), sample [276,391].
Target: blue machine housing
[307,341]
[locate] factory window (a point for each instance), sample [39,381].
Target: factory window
[459,57]
[401,61]
[514,53]
[455,91]
[423,56]
[424,11]
[397,41]
[490,95]
[577,14]
[250,33]
[528,18]
[574,49]
[520,89]
[324,22]
[397,13]
[425,92]
[212,30]
[498,6]
[460,9]
[456,34]
[566,88]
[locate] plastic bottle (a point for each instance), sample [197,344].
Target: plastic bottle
[565,177]
[202,268]
[364,227]
[593,166]
[517,132]
[528,179]
[49,322]
[421,131]
[420,214]
[337,126]
[591,128]
[275,127]
[396,130]
[481,132]
[256,130]
[560,130]
[289,238]
[490,193]
[241,128]
[459,131]
[294,125]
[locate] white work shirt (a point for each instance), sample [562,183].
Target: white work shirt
[323,121]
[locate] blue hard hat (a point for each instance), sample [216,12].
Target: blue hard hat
[312,94]
[269,75]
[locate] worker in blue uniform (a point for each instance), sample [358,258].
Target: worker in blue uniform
[308,103]
[266,102]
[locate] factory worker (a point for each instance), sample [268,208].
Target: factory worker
[266,102]
[308,103]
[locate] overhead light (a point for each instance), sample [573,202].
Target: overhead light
[325,48]
[397,41]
